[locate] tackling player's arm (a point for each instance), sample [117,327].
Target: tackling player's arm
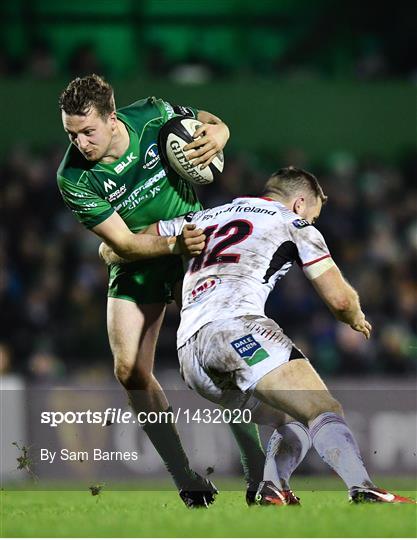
[121,245]
[321,270]
[210,138]
[341,299]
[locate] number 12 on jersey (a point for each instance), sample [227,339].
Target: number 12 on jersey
[235,231]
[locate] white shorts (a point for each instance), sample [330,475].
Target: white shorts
[225,359]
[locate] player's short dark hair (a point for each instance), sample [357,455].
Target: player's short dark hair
[290,180]
[83,93]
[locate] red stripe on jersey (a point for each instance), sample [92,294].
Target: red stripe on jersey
[317,260]
[157,228]
[252,197]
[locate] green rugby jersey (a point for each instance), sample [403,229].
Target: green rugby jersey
[136,185]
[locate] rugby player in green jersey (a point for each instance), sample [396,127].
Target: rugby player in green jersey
[112,179]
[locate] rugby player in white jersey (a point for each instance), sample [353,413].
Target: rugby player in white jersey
[233,355]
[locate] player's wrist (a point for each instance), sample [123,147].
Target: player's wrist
[173,245]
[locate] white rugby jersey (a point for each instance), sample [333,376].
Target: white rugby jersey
[251,243]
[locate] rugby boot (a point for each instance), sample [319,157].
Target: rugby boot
[269,494]
[359,495]
[291,497]
[251,490]
[198,492]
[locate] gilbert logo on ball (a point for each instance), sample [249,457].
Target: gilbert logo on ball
[176,134]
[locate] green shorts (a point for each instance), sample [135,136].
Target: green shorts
[146,282]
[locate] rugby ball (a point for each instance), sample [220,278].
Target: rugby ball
[173,136]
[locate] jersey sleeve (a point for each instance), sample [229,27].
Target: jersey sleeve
[314,255]
[169,110]
[88,207]
[172,227]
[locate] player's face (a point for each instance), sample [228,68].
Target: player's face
[308,207]
[90,133]
[312,210]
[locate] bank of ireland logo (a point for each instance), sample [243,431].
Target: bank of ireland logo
[249,349]
[151,156]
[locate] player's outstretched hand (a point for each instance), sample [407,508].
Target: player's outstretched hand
[208,140]
[191,241]
[362,326]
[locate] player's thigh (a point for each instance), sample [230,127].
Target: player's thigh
[194,374]
[146,282]
[133,331]
[265,415]
[297,389]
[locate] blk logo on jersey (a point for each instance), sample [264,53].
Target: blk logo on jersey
[109,185]
[300,223]
[151,157]
[249,349]
[125,163]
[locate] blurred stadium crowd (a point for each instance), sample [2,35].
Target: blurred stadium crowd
[54,286]
[195,42]
[368,61]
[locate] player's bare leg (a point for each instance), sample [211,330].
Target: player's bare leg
[297,389]
[133,332]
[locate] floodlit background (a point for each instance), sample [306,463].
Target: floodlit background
[327,85]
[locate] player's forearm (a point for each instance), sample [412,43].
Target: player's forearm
[144,246]
[352,314]
[339,296]
[346,306]
[124,246]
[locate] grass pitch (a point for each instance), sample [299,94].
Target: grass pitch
[162,514]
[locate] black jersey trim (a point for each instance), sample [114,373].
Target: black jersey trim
[287,252]
[184,111]
[296,354]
